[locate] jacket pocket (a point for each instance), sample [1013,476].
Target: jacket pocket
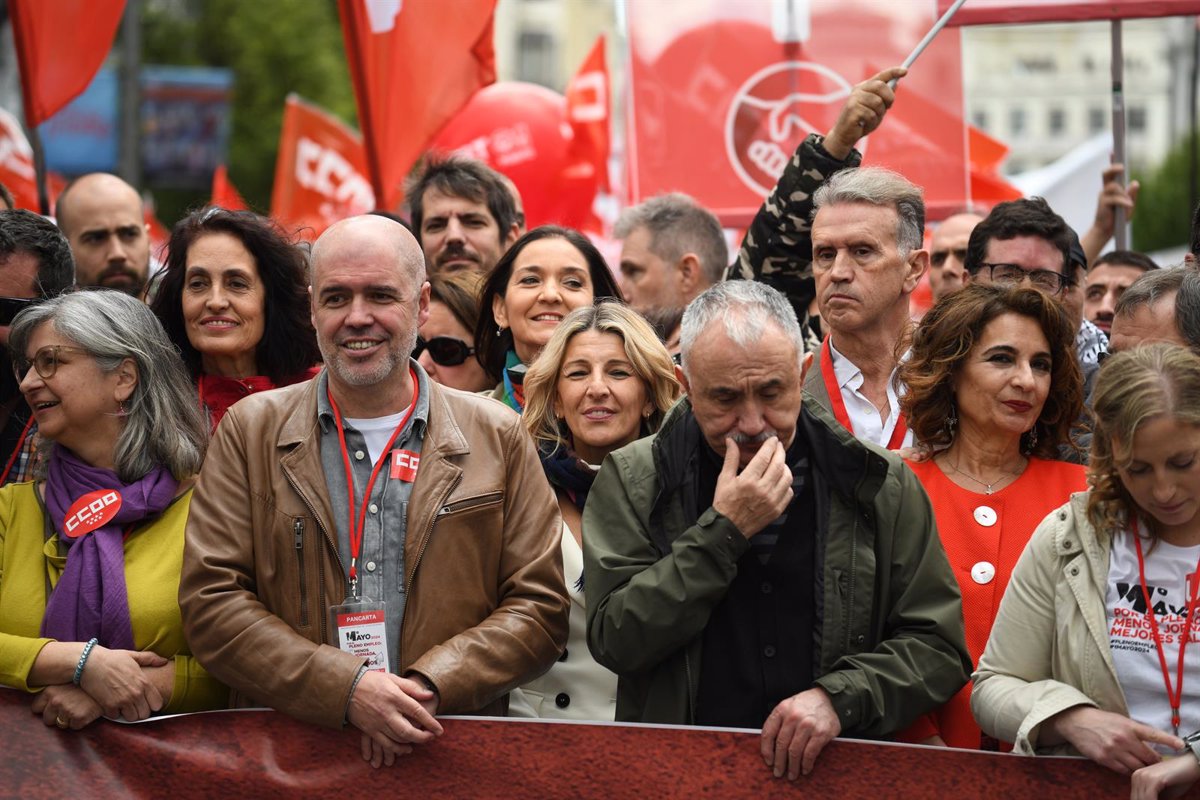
[469,503]
[298,533]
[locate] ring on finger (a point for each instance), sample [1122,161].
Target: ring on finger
[61,723]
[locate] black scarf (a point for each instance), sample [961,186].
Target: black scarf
[567,472]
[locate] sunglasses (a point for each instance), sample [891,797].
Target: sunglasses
[44,361]
[445,351]
[11,306]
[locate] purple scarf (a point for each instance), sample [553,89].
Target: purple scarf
[90,598]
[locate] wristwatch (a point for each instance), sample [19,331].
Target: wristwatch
[1192,742]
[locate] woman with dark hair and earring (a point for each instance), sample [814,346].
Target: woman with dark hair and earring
[603,380]
[92,549]
[234,299]
[546,274]
[993,389]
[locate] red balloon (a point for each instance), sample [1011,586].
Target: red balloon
[522,131]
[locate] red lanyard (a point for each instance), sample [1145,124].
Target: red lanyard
[839,404]
[358,520]
[16,453]
[1175,697]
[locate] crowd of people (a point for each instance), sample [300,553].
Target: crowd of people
[446,465]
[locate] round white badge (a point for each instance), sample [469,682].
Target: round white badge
[985,516]
[983,572]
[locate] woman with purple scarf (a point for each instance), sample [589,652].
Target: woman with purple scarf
[602,381]
[90,552]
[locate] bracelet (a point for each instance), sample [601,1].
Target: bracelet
[83,657]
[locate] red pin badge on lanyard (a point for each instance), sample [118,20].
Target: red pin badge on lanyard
[91,511]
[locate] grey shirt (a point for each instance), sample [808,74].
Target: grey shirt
[381,570]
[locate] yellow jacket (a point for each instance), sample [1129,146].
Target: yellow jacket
[153,559]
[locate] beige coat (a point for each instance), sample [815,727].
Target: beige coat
[1049,647]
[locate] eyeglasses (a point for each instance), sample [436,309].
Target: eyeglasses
[938,257]
[1044,279]
[11,306]
[446,351]
[45,360]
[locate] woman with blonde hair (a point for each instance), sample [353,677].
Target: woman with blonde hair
[1089,653]
[602,381]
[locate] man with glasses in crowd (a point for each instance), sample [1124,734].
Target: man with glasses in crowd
[1025,240]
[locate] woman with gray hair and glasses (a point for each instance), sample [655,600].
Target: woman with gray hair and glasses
[92,549]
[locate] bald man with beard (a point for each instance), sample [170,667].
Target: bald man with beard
[104,221]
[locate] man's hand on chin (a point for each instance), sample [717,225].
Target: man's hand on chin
[797,731]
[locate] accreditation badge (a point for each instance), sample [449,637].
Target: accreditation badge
[360,631]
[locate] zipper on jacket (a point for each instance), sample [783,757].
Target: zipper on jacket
[850,589]
[324,621]
[298,532]
[470,502]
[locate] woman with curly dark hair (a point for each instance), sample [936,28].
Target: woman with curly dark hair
[1094,649]
[993,389]
[234,299]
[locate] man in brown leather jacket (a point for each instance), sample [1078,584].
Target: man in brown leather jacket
[378,590]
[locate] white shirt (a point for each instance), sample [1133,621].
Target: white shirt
[1170,571]
[864,417]
[376,431]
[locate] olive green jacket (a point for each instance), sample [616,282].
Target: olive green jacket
[888,641]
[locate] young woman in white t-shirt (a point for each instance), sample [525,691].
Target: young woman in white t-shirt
[1088,654]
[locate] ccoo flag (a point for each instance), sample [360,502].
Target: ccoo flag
[414,65]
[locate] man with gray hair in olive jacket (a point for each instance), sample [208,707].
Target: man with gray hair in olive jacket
[754,565]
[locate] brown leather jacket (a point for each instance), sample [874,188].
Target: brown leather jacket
[487,607]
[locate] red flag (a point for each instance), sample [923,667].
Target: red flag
[224,193]
[16,162]
[722,93]
[60,46]
[988,186]
[414,65]
[319,172]
[588,111]
[1007,12]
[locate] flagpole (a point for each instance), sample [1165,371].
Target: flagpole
[1118,128]
[929,37]
[39,169]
